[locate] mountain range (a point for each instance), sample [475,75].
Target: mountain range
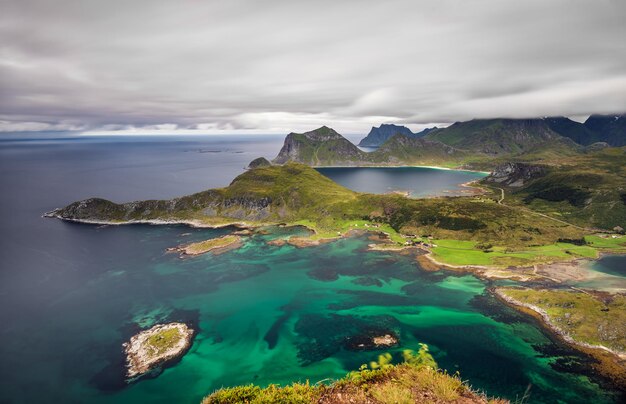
[475,143]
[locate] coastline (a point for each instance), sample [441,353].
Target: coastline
[427,260]
[155,222]
[404,166]
[610,363]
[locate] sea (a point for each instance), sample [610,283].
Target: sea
[71,294]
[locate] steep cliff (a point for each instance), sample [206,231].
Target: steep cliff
[515,174]
[320,147]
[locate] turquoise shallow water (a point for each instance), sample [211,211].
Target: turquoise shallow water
[71,294]
[274,315]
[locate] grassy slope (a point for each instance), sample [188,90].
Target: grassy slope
[587,190]
[417,380]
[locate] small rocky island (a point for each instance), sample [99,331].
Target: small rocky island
[372,342]
[215,245]
[155,346]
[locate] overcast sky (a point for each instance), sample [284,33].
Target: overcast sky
[278,66]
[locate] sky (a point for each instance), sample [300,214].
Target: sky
[194,66]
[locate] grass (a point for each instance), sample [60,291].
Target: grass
[586,189]
[607,242]
[415,380]
[596,320]
[459,252]
[162,341]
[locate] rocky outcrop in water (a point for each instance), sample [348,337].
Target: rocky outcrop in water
[156,346]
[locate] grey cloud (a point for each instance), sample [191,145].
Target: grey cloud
[283,65]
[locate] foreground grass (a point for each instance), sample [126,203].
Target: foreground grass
[416,380]
[589,319]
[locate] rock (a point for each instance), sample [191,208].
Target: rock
[156,346]
[259,162]
[379,135]
[322,146]
[369,341]
[385,340]
[216,246]
[515,174]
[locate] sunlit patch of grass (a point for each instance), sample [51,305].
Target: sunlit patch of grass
[160,342]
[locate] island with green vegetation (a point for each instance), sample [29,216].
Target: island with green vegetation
[548,205]
[155,347]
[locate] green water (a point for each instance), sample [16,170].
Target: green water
[269,314]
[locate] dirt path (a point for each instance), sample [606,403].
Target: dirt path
[501,196]
[501,200]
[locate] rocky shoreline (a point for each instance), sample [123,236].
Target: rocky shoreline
[610,363]
[156,222]
[546,319]
[153,347]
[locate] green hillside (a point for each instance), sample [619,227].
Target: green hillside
[588,189]
[484,231]
[503,137]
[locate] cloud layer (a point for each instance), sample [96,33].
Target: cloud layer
[277,66]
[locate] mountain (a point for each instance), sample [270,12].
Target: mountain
[503,137]
[576,131]
[273,193]
[608,128]
[379,135]
[479,143]
[319,147]
[325,147]
[259,162]
[402,149]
